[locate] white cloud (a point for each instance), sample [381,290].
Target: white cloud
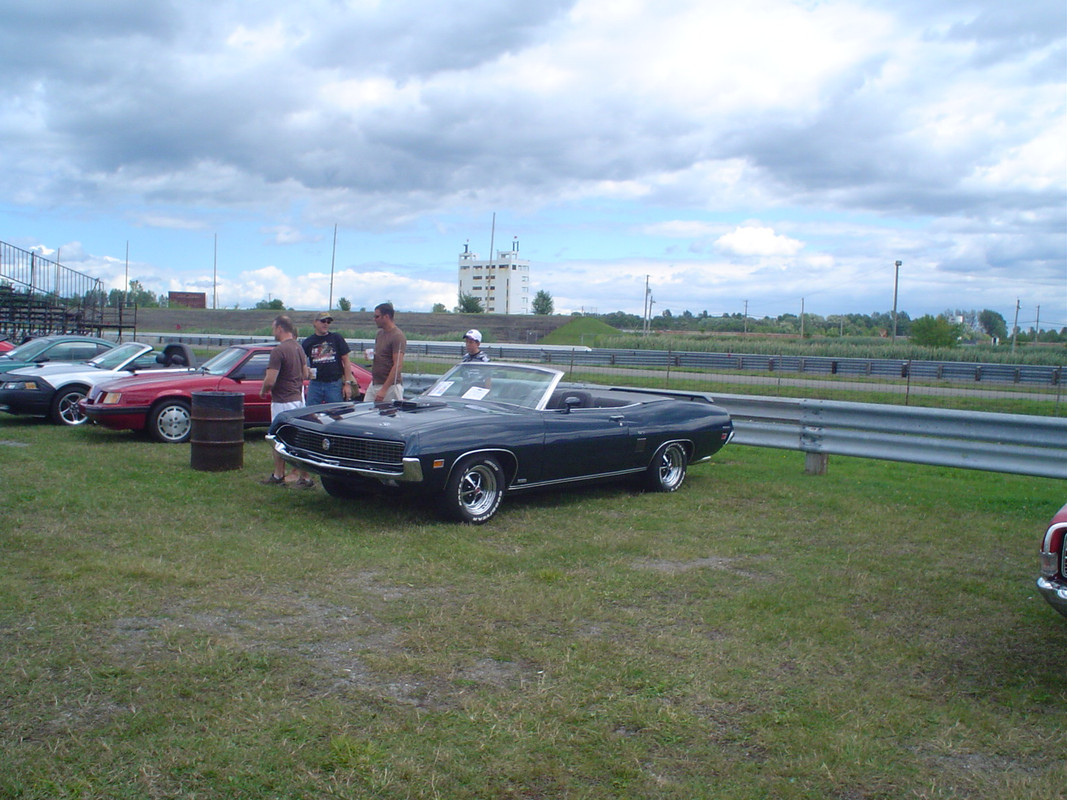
[757,241]
[621,138]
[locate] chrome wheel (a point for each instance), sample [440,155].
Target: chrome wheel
[474,490]
[65,409]
[667,470]
[170,422]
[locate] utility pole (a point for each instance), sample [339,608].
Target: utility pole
[215,277]
[333,260]
[746,317]
[801,317]
[645,310]
[896,281]
[1015,325]
[1037,325]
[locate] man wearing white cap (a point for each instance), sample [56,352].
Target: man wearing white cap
[473,340]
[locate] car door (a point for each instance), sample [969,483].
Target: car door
[247,377]
[583,442]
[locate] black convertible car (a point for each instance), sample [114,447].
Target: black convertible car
[486,429]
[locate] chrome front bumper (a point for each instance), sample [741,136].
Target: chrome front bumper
[411,468]
[1055,593]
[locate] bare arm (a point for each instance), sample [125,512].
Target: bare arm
[269,379]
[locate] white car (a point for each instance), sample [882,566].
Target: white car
[54,389]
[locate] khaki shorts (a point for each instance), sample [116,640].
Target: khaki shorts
[278,408]
[396,392]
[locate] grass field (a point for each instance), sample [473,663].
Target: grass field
[871,633]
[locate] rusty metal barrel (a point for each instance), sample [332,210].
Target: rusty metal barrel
[218,431]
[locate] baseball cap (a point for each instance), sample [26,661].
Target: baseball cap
[474,334]
[324,316]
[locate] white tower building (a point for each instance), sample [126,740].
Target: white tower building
[502,285]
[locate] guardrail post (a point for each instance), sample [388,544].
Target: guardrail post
[816,463]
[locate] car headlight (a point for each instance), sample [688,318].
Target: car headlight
[111,398]
[22,386]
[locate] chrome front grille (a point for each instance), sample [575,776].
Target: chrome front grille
[344,448]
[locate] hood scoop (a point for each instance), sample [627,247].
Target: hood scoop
[412,406]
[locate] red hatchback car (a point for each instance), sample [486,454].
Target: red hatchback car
[162,404]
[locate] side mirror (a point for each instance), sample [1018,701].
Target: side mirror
[571,402]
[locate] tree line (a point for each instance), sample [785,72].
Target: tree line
[951,327]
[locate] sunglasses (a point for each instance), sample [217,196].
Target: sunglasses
[326,321]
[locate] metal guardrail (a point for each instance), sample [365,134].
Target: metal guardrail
[567,356]
[821,365]
[1016,443]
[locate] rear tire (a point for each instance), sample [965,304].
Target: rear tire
[170,421]
[474,490]
[65,409]
[667,470]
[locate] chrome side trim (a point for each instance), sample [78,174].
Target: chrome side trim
[579,479]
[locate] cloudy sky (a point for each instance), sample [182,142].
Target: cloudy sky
[774,152]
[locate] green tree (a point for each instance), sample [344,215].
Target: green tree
[542,303]
[273,305]
[993,324]
[439,308]
[344,304]
[469,304]
[139,296]
[935,331]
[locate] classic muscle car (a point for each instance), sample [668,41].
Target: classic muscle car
[162,404]
[483,430]
[54,389]
[1053,581]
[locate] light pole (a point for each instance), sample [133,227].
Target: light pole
[896,281]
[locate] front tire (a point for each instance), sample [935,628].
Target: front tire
[65,409]
[667,470]
[474,490]
[170,421]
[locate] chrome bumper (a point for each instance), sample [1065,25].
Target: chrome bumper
[1055,593]
[411,468]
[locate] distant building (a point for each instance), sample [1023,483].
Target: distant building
[501,284]
[187,299]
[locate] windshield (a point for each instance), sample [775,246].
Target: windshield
[27,351]
[115,358]
[223,362]
[515,384]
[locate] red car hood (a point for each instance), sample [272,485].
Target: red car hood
[152,380]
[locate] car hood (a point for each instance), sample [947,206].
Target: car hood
[396,420]
[57,368]
[156,379]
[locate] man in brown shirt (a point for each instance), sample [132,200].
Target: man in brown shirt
[286,372]
[387,380]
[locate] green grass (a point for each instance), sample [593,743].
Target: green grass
[871,633]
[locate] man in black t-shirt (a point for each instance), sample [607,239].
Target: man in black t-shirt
[331,368]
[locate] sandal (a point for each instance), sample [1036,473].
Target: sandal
[305,483]
[273,480]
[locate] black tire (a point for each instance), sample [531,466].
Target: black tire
[344,489]
[65,409]
[474,490]
[667,470]
[170,421]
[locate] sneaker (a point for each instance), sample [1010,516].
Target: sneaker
[272,480]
